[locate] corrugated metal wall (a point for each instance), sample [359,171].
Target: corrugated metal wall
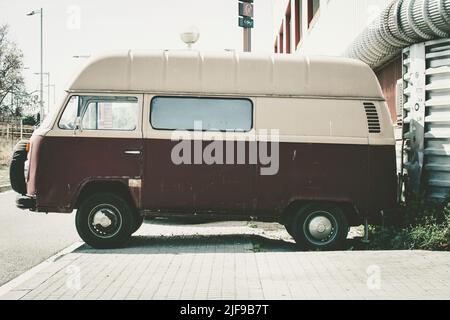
[427,117]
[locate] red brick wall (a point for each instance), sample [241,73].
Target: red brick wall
[388,77]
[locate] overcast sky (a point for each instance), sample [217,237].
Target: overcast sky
[86,27]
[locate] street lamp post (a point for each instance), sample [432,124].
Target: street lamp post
[48,91]
[54,92]
[32,13]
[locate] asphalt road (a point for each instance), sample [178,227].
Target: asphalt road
[28,238]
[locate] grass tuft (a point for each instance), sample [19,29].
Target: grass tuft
[424,225]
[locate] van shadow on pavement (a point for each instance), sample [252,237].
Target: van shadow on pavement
[212,243]
[178,236]
[215,243]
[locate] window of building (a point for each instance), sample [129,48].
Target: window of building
[298,21]
[313,9]
[206,114]
[101,113]
[288,28]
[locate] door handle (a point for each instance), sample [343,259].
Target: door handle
[136,152]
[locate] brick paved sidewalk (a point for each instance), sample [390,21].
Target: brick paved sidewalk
[220,261]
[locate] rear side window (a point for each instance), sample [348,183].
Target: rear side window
[101,113]
[207,114]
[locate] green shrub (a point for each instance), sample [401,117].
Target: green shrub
[420,224]
[29,121]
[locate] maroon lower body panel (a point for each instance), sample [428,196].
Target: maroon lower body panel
[66,164]
[382,181]
[306,171]
[361,175]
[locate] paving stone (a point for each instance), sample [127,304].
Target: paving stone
[201,262]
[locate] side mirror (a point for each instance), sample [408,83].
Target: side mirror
[77,126]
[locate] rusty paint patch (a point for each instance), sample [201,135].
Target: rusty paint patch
[135,183]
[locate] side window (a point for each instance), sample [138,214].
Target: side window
[207,114]
[110,113]
[101,113]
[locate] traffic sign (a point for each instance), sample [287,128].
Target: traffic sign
[245,9]
[246,22]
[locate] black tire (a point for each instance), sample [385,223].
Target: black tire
[137,223]
[118,213]
[320,226]
[16,168]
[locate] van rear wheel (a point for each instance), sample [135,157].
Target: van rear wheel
[320,226]
[104,221]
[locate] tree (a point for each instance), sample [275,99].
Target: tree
[13,95]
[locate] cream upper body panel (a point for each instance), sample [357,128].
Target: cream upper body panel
[323,121]
[307,99]
[228,73]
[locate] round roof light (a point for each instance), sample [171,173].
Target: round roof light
[190,36]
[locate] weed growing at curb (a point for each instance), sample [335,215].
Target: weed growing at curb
[420,224]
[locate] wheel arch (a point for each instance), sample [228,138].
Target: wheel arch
[117,187]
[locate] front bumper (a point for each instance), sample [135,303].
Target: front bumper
[25,202]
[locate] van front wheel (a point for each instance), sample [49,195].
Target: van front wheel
[104,221]
[137,223]
[320,226]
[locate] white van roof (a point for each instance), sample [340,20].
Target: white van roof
[188,71]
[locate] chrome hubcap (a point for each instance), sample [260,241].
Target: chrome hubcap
[105,221]
[320,227]
[102,219]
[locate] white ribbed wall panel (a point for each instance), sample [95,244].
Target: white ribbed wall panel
[427,117]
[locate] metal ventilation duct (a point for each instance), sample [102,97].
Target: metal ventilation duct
[401,24]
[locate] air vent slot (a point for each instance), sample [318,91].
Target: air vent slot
[373,121]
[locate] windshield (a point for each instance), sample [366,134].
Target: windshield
[47,123]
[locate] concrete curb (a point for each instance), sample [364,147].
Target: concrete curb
[14,283]
[5,188]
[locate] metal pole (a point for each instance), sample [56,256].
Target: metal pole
[247,39]
[48,93]
[42,65]
[366,232]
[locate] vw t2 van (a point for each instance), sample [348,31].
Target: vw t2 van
[303,141]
